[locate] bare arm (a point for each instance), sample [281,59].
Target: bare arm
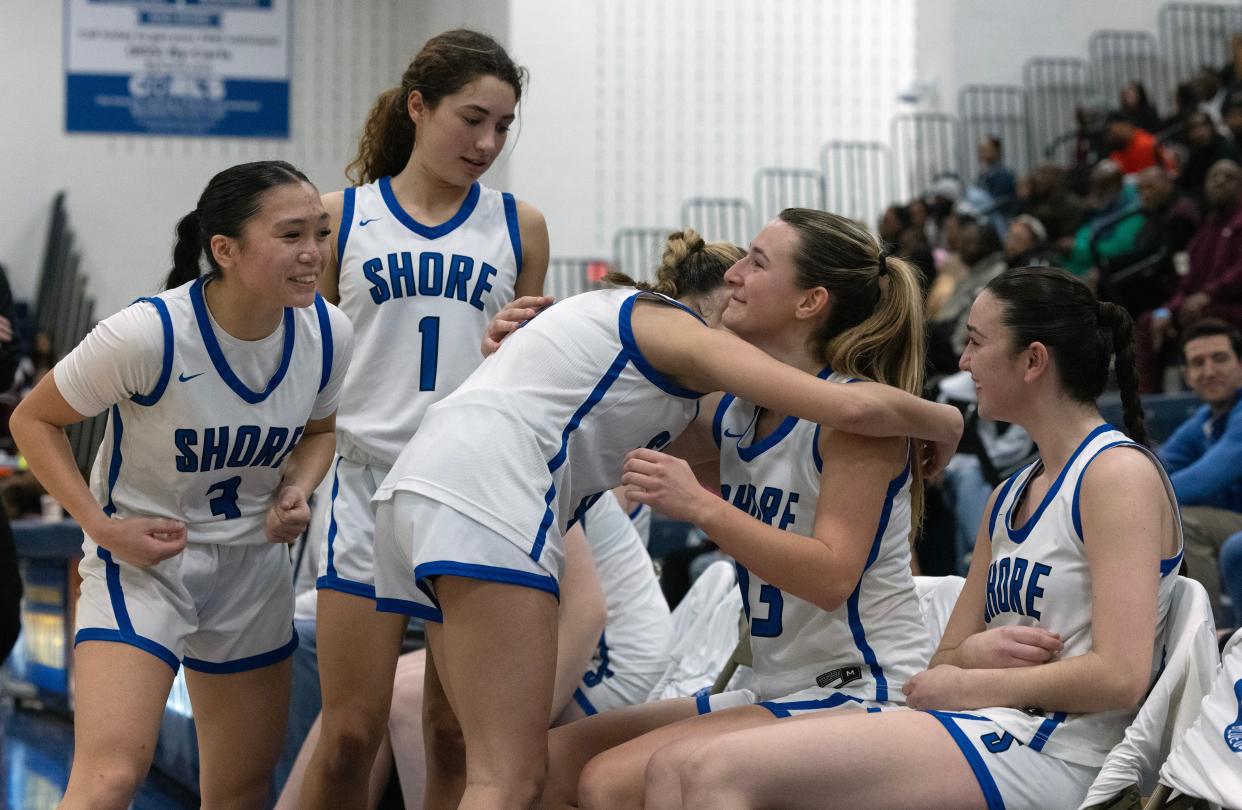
[38,428]
[706,359]
[851,500]
[329,282]
[1125,516]
[582,614]
[306,466]
[535,250]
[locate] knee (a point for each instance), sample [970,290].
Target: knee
[601,784]
[706,780]
[442,733]
[350,739]
[664,769]
[105,784]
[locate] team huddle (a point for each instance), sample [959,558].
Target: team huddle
[392,341]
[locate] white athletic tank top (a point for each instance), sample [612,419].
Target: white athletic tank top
[1039,577]
[873,643]
[420,299]
[540,430]
[202,447]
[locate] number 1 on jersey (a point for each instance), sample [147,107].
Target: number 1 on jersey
[429,328]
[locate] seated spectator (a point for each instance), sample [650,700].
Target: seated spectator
[1204,455]
[1026,242]
[1053,204]
[994,177]
[1232,116]
[1138,108]
[1231,73]
[1143,277]
[1212,287]
[980,253]
[1205,147]
[1231,577]
[1112,225]
[1134,149]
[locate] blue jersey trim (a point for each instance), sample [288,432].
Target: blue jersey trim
[114,464]
[855,620]
[167,362]
[489,573]
[1020,534]
[349,586]
[145,644]
[408,608]
[702,700]
[325,339]
[785,708]
[633,515]
[1075,508]
[1000,501]
[1169,565]
[584,704]
[774,438]
[601,388]
[630,345]
[983,776]
[332,529]
[244,664]
[342,230]
[429,231]
[815,454]
[217,356]
[718,418]
[515,232]
[1045,731]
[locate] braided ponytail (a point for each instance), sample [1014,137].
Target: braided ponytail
[1116,322]
[187,252]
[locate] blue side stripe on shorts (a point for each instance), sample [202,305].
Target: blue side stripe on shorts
[702,700]
[784,708]
[1045,731]
[601,388]
[983,776]
[336,487]
[584,704]
[112,573]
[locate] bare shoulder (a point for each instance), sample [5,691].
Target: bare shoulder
[1121,468]
[529,216]
[334,204]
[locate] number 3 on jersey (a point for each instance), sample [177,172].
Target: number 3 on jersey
[225,504]
[429,328]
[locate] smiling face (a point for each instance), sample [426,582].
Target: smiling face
[459,138]
[282,248]
[994,367]
[1213,370]
[763,292]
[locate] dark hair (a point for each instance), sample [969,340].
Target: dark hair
[444,65]
[688,266]
[996,143]
[1082,334]
[231,198]
[1210,327]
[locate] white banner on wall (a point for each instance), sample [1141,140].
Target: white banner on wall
[178,67]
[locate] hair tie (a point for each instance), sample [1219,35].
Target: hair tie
[884,255]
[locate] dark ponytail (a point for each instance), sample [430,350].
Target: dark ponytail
[231,198]
[1083,336]
[1116,321]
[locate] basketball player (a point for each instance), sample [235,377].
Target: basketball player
[475,508]
[425,256]
[822,524]
[221,395]
[1053,642]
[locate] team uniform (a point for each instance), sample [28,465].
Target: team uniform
[420,299]
[200,424]
[805,658]
[638,631]
[1039,577]
[505,464]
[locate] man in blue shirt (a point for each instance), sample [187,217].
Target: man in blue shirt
[1204,455]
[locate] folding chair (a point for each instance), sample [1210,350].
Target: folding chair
[1170,707]
[1205,768]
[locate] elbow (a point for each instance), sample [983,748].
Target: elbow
[1126,689]
[830,598]
[19,428]
[854,416]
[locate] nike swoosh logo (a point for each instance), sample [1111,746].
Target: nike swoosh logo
[365,222]
[734,435]
[184,378]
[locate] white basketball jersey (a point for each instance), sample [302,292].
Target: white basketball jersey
[638,628]
[1039,577]
[874,642]
[540,430]
[203,447]
[420,299]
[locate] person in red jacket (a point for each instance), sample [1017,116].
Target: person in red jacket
[1134,149]
[1213,285]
